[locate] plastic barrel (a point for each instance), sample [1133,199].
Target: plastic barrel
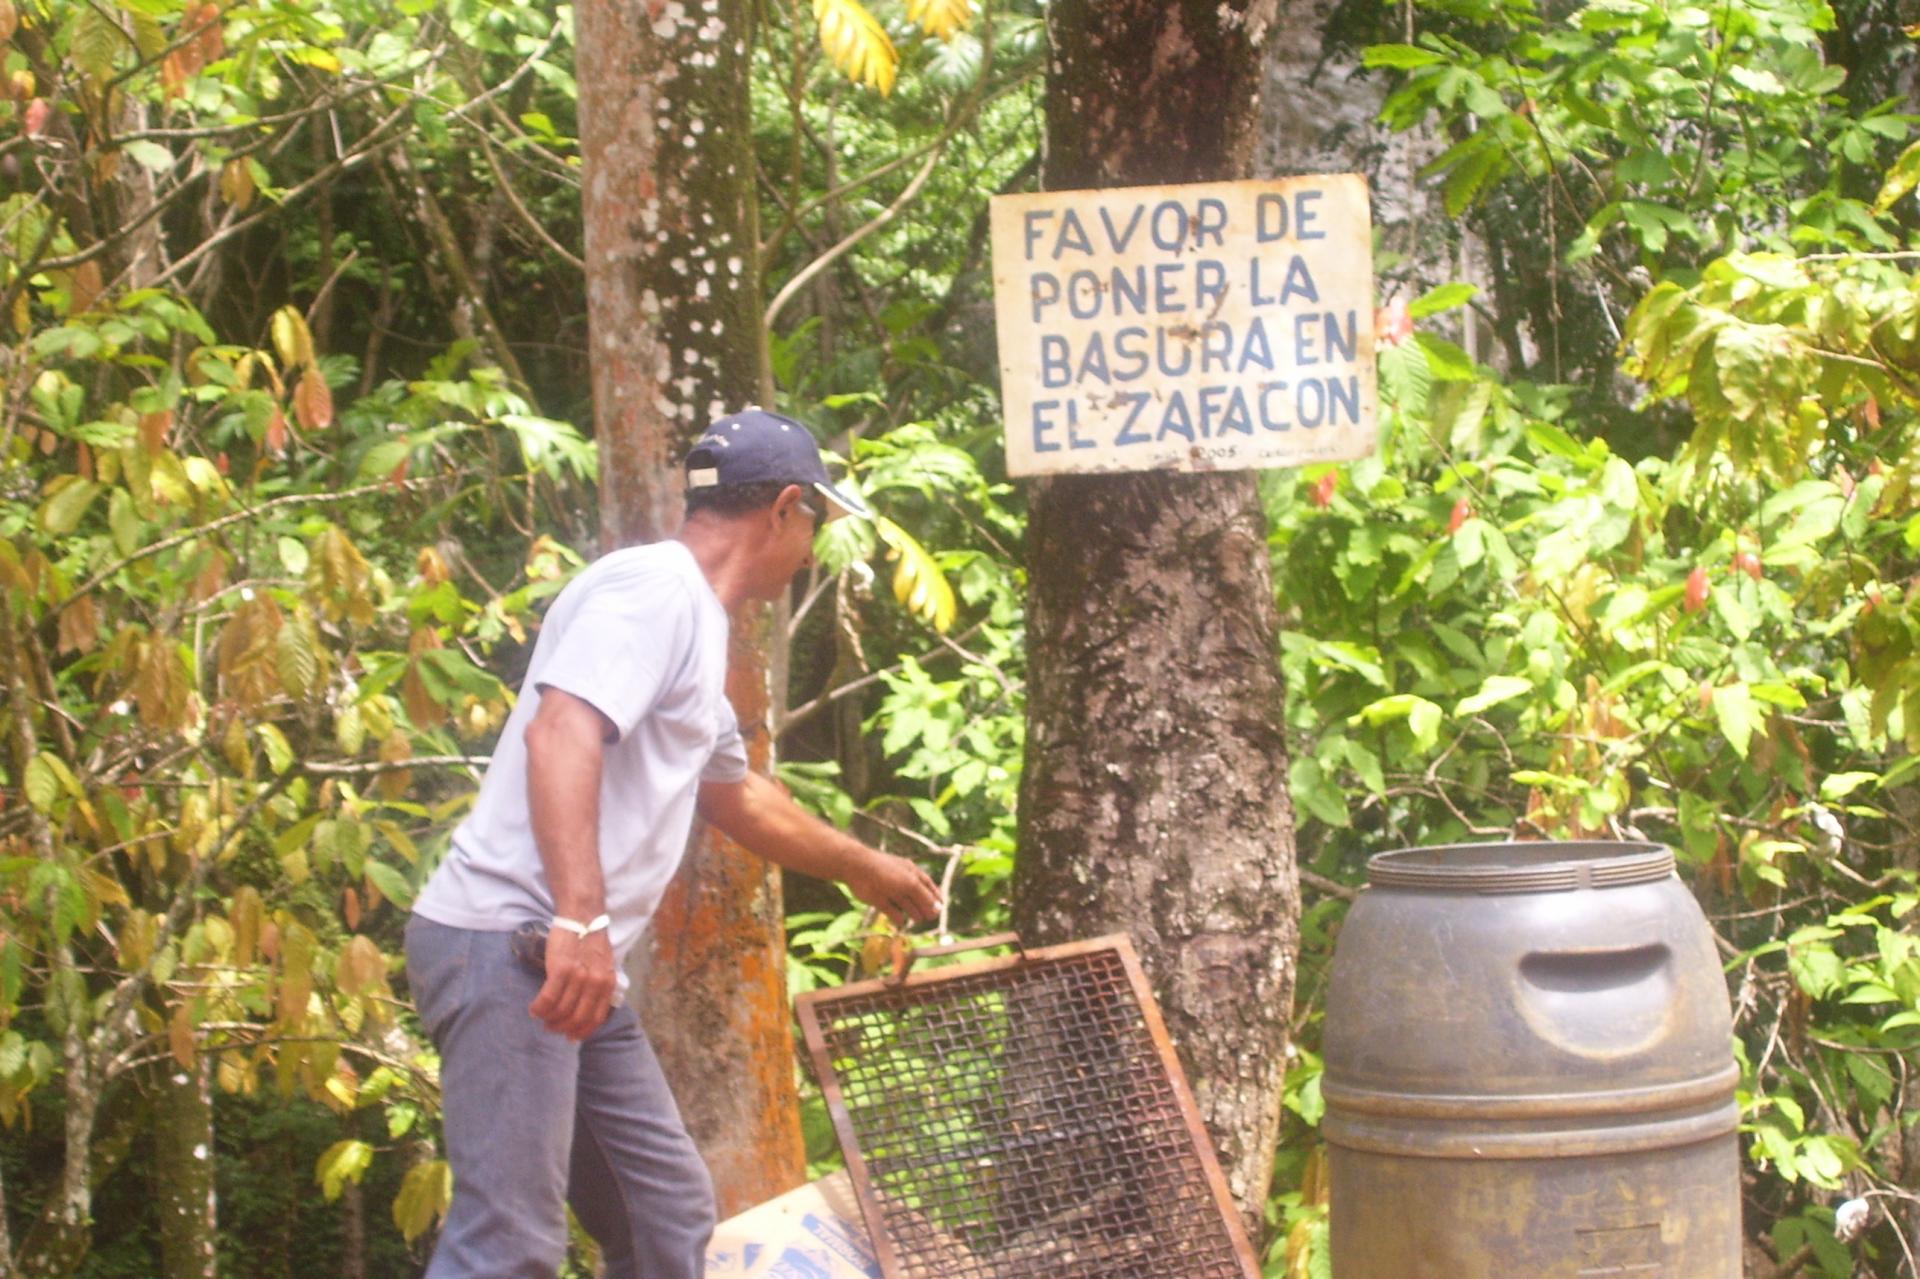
[1529,1070]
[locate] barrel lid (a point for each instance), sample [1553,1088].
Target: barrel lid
[1532,867]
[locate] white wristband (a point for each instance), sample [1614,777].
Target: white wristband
[579,929]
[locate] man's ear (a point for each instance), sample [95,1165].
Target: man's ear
[789,497]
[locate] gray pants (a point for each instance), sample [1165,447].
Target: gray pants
[534,1122]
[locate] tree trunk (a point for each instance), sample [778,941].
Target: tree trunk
[1154,799]
[353,1230]
[183,1171]
[673,300]
[52,1248]
[6,1233]
[472,318]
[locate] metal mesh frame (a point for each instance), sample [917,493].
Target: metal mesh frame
[1023,1117]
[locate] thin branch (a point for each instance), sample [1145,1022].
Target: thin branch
[201,530]
[1331,887]
[526,216]
[326,287]
[808,708]
[396,765]
[370,150]
[331,103]
[879,220]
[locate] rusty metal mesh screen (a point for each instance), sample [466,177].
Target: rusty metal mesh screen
[1022,1122]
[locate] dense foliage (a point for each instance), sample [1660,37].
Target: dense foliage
[294,347]
[1646,576]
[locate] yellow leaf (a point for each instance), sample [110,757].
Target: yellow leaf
[338,574]
[422,708]
[425,1192]
[313,401]
[85,288]
[361,965]
[394,750]
[180,1035]
[291,337]
[136,938]
[296,973]
[401,841]
[314,57]
[79,626]
[104,890]
[237,748]
[245,915]
[236,184]
[298,656]
[68,497]
[918,582]
[856,43]
[161,685]
[941,18]
[344,1161]
[342,1090]
[246,655]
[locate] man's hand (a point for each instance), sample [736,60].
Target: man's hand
[895,886]
[580,984]
[759,813]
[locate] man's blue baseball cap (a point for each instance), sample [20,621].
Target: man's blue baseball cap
[758,447]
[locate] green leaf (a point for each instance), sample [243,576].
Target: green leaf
[425,1192]
[124,523]
[279,751]
[96,42]
[1422,716]
[1401,57]
[1447,362]
[1900,179]
[1840,785]
[1444,298]
[342,1162]
[1495,690]
[1755,79]
[391,883]
[149,155]
[1817,969]
[68,498]
[1734,711]
[1316,794]
[42,782]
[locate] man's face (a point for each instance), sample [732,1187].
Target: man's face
[796,518]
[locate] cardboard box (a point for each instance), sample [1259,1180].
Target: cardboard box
[814,1232]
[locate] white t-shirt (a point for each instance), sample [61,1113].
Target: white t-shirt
[641,635]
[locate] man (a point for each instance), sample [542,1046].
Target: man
[552,1095]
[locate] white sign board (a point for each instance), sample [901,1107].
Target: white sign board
[1215,326]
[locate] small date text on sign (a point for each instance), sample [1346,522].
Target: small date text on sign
[1213,326]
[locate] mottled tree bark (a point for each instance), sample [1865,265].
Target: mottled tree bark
[6,1235]
[674,311]
[1154,798]
[673,287]
[54,1246]
[353,1231]
[183,1170]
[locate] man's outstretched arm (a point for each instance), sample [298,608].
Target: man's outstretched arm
[759,814]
